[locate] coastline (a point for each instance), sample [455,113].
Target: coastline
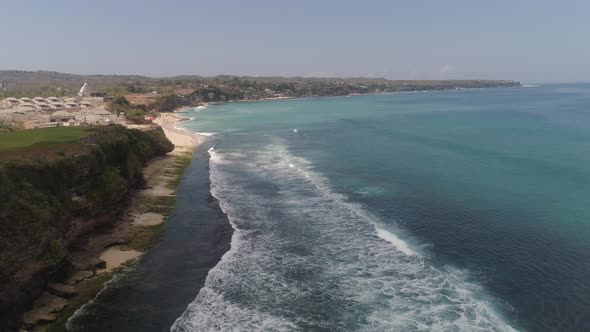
[182,139]
[130,237]
[197,235]
[158,185]
[238,101]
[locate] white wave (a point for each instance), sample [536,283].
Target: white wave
[205,134]
[176,127]
[295,130]
[303,257]
[201,107]
[88,308]
[530,86]
[393,239]
[215,157]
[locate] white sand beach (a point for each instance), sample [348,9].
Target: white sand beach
[178,137]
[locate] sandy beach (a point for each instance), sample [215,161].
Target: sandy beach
[178,137]
[156,179]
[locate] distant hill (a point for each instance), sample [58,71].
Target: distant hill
[46,83]
[53,76]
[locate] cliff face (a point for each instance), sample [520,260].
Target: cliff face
[45,206]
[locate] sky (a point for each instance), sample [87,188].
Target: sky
[529,41]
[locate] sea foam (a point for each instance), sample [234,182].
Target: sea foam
[398,243]
[304,257]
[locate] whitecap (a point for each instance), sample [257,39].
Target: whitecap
[304,257]
[205,134]
[398,243]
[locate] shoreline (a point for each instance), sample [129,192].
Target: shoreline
[343,96]
[134,232]
[180,138]
[184,143]
[197,235]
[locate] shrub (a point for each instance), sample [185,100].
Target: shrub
[55,252]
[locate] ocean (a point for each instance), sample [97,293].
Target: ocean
[464,210]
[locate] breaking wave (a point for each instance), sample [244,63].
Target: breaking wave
[304,257]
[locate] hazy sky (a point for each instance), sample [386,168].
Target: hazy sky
[526,40]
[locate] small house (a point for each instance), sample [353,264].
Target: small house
[61,116]
[26,108]
[10,102]
[85,104]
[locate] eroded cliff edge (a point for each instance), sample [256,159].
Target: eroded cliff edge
[50,199]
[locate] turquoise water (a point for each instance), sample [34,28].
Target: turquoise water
[455,210]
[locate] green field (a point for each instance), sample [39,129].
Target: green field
[40,137]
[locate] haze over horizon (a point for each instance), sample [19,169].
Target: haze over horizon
[528,41]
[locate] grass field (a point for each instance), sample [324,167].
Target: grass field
[41,137]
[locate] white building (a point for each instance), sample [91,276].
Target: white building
[23,108]
[10,102]
[61,116]
[85,104]
[43,105]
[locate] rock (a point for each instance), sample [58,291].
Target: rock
[117,241]
[101,264]
[62,290]
[48,303]
[33,318]
[83,260]
[43,310]
[79,276]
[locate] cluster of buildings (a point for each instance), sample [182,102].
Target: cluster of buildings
[39,112]
[26,104]
[31,113]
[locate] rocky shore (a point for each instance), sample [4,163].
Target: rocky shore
[108,246]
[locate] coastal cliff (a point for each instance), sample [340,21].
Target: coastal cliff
[50,200]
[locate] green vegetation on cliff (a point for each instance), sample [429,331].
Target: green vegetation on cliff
[166,103]
[133,113]
[47,203]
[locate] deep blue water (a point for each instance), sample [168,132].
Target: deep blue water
[454,210]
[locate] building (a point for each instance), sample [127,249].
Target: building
[71,123]
[23,108]
[61,116]
[57,105]
[10,102]
[43,105]
[85,104]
